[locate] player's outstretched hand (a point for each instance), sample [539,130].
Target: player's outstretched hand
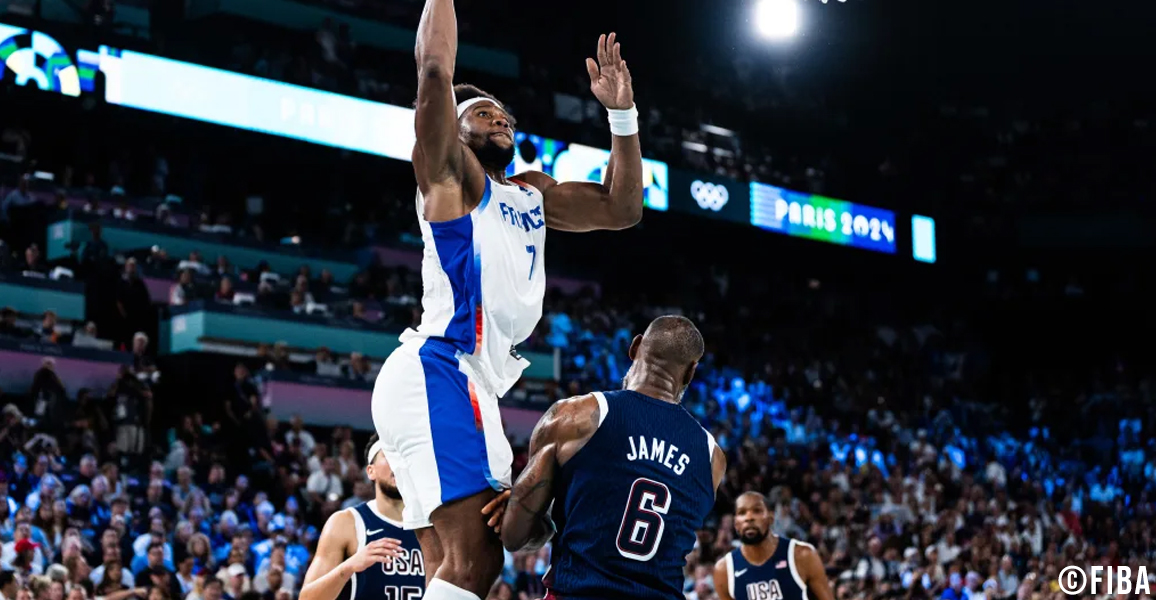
[496,508]
[609,77]
[375,552]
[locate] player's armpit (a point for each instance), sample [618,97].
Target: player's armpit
[814,575]
[718,466]
[722,580]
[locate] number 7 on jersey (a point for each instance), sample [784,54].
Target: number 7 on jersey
[533,251]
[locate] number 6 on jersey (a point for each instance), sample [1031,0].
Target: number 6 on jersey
[642,524]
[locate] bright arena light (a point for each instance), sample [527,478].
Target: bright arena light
[777,19]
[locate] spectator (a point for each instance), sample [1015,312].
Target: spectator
[357,312]
[32,262]
[183,292]
[224,268]
[225,291]
[22,554]
[156,573]
[236,581]
[8,325]
[297,302]
[349,463]
[17,200]
[50,399]
[325,285]
[86,423]
[185,576]
[132,411]
[87,337]
[200,549]
[195,264]
[133,303]
[302,286]
[324,485]
[8,585]
[95,253]
[47,332]
[213,589]
[359,369]
[323,363]
[873,566]
[297,431]
[244,400]
[144,367]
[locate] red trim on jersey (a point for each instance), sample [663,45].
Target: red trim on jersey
[479,324]
[477,408]
[523,183]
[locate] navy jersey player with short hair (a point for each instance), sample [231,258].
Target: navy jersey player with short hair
[364,553]
[765,566]
[631,475]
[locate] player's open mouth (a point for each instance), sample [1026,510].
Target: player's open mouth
[503,134]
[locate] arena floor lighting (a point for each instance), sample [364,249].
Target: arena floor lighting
[777,19]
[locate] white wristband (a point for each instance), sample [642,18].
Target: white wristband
[623,122]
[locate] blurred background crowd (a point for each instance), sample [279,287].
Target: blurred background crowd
[957,431]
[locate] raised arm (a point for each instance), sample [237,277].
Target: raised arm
[616,203]
[438,154]
[559,435]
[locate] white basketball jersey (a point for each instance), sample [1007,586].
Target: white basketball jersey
[483,280]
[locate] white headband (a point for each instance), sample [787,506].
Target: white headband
[466,104]
[374,449]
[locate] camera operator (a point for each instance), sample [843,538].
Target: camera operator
[131,413]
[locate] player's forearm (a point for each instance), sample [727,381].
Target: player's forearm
[525,518]
[624,179]
[437,40]
[328,586]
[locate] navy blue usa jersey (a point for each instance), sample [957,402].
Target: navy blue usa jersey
[776,579]
[628,504]
[402,578]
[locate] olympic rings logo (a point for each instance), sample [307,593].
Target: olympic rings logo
[709,196]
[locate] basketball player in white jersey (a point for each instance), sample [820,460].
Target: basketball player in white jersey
[435,402]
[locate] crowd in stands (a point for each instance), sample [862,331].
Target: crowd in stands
[872,448]
[876,439]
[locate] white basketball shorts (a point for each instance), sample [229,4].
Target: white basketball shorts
[441,432]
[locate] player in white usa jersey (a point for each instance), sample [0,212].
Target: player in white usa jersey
[435,401]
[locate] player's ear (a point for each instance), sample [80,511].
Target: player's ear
[634,346]
[369,471]
[689,374]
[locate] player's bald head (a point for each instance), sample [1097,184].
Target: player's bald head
[665,358]
[673,340]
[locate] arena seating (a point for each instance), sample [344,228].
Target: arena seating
[954,433]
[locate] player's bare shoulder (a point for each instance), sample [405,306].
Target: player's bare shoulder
[569,424]
[340,531]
